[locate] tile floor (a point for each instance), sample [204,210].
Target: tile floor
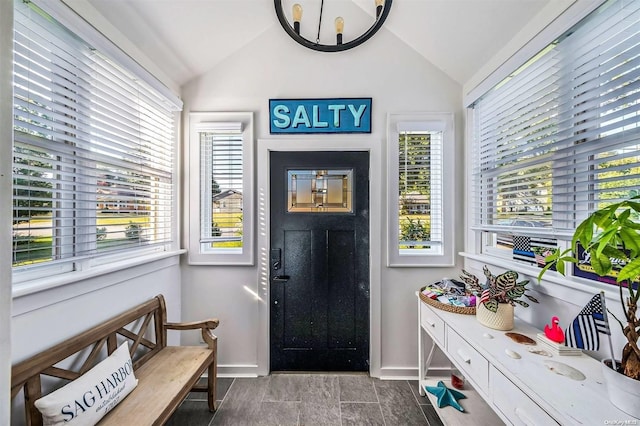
[310,399]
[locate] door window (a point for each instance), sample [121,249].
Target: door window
[320,191]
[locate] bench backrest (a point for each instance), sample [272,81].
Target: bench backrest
[142,325]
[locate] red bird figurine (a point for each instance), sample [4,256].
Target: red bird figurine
[554,332]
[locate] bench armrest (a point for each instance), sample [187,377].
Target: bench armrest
[209,323]
[206,326]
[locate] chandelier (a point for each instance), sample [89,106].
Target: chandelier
[293,22]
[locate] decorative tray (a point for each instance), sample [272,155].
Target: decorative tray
[466,310]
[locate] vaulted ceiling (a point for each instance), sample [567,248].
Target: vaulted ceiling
[190,37]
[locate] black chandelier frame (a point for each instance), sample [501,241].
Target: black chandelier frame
[332,47]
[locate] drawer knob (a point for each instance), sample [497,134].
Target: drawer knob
[464,356]
[432,324]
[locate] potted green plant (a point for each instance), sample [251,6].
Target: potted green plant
[610,242]
[497,297]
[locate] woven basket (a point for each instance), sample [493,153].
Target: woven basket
[466,310]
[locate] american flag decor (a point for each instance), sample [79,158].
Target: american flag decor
[585,329]
[533,250]
[485,295]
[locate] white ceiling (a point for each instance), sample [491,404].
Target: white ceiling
[187,38]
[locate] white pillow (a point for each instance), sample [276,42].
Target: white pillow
[87,399]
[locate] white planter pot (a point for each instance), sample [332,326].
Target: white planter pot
[624,392]
[502,319]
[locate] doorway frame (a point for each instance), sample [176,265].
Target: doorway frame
[376,180]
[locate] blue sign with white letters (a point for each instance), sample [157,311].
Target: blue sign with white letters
[341,115]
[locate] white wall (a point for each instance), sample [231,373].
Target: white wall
[43,319]
[274,66]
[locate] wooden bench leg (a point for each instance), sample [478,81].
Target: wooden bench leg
[212,381]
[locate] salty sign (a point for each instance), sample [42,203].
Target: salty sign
[342,115]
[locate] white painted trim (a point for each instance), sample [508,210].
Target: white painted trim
[6,157]
[238,370]
[192,176]
[47,292]
[329,143]
[556,18]
[399,373]
[444,121]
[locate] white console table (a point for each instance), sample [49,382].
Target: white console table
[517,391]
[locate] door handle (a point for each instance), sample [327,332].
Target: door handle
[464,356]
[281,278]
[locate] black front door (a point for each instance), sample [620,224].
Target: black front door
[319,261]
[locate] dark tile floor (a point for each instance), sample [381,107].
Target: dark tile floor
[310,399]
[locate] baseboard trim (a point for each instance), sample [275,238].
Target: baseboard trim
[386,373]
[398,373]
[238,370]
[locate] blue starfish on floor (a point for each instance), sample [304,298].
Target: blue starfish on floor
[446,396]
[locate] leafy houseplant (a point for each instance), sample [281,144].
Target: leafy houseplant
[610,238]
[497,297]
[503,288]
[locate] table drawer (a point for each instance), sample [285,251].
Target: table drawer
[515,405]
[432,324]
[473,365]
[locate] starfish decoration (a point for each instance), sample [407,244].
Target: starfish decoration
[446,396]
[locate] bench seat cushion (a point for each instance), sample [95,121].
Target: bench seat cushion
[163,382]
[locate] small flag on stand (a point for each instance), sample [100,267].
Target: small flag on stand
[585,329]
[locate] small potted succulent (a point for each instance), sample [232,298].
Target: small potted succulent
[497,297]
[610,243]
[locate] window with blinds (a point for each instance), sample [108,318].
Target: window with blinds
[420,190]
[221,188]
[93,165]
[221,179]
[560,137]
[416,164]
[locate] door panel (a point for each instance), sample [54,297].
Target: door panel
[342,289]
[320,286]
[297,335]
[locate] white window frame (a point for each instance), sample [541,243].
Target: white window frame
[405,121]
[245,255]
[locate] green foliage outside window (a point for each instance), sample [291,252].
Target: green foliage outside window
[413,231]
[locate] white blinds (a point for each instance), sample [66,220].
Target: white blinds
[221,185]
[93,149]
[420,188]
[560,136]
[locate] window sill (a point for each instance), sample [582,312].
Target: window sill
[572,284]
[42,284]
